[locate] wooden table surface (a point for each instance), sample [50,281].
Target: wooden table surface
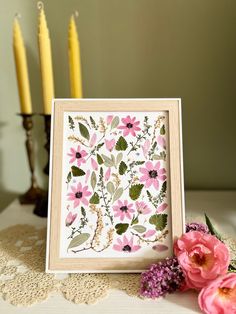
[219,205]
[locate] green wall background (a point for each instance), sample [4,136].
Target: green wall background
[132,48]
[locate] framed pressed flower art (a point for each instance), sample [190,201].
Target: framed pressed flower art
[116,184]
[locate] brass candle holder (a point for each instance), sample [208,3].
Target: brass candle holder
[34,193]
[41,208]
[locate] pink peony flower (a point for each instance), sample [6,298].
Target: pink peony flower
[219,297]
[108,174]
[142,208]
[130,126]
[94,164]
[152,174]
[203,258]
[161,141]
[162,207]
[79,194]
[123,210]
[110,144]
[109,119]
[77,155]
[70,218]
[93,140]
[126,245]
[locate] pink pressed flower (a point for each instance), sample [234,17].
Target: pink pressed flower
[161,208]
[149,233]
[142,208]
[202,257]
[77,155]
[108,174]
[126,245]
[219,297]
[161,141]
[109,119]
[152,174]
[79,194]
[94,164]
[146,147]
[110,144]
[93,140]
[130,126]
[123,210]
[87,175]
[70,218]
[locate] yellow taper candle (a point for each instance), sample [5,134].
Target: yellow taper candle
[45,62]
[74,61]
[21,69]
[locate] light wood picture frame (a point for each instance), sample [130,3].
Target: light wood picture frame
[116,191]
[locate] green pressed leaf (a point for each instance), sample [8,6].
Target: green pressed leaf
[83,212]
[212,228]
[69,177]
[159,221]
[138,163]
[110,188]
[99,159]
[94,199]
[119,158]
[84,131]
[115,122]
[77,172]
[71,123]
[92,121]
[93,180]
[135,191]
[163,188]
[122,168]
[121,228]
[134,220]
[99,146]
[107,161]
[117,194]
[78,240]
[139,228]
[121,144]
[113,159]
[163,130]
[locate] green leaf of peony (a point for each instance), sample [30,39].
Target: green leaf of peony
[122,168]
[94,199]
[107,161]
[69,177]
[110,188]
[135,191]
[93,180]
[84,131]
[159,220]
[121,228]
[117,194]
[115,122]
[212,228]
[139,228]
[78,240]
[99,159]
[77,172]
[163,130]
[119,158]
[121,144]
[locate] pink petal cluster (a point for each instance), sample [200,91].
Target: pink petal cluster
[152,174]
[70,218]
[94,164]
[77,155]
[79,195]
[130,126]
[110,144]
[123,210]
[142,208]
[126,245]
[202,257]
[219,297]
[93,140]
[161,208]
[109,119]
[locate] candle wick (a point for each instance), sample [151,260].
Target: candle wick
[18,15]
[40,5]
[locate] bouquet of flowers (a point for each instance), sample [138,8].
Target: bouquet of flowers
[201,262]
